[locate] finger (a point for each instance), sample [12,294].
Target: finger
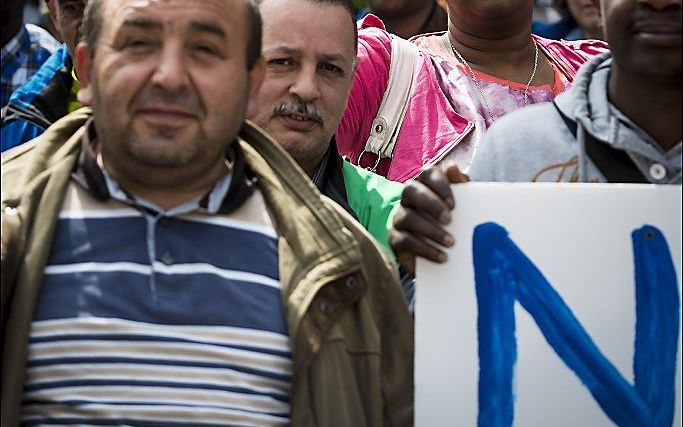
[407,261]
[435,179]
[454,175]
[419,197]
[407,245]
[424,228]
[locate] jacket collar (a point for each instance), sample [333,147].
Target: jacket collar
[326,248]
[329,178]
[586,100]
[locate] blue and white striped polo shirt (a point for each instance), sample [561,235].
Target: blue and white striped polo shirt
[151,318]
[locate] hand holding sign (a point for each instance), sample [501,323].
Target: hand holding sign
[426,206]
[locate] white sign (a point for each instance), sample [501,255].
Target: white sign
[559,306]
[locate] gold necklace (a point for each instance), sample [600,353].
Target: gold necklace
[476,81]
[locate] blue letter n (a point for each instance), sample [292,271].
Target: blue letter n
[503,275]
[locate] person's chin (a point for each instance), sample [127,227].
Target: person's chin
[162,140]
[164,153]
[173,132]
[164,128]
[291,139]
[282,132]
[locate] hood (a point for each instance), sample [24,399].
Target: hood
[586,109]
[586,102]
[589,115]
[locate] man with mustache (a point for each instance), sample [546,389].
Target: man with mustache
[308,77]
[51,93]
[165,262]
[620,122]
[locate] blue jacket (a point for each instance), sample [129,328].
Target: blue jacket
[41,101]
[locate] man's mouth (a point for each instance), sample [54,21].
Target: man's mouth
[299,122]
[299,117]
[657,32]
[166,115]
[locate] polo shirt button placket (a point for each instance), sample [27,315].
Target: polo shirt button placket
[167,258]
[325,307]
[657,171]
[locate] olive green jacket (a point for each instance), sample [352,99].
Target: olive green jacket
[350,330]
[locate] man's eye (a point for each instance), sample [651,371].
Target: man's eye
[71,9]
[330,68]
[283,62]
[205,48]
[138,43]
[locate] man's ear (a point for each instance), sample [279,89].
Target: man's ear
[83,63]
[255,80]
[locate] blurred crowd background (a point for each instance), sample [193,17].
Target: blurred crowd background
[35,12]
[567,19]
[552,19]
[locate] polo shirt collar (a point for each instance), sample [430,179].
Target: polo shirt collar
[227,194]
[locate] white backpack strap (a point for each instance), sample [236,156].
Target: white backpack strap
[386,125]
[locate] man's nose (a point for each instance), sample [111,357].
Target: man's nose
[171,72]
[305,85]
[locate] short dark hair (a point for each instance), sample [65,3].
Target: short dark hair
[347,5]
[92,26]
[255,33]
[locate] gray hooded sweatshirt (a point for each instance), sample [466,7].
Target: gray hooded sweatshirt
[535,144]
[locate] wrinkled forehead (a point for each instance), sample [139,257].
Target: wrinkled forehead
[320,27]
[228,16]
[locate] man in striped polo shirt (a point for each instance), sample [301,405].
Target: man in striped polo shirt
[165,264]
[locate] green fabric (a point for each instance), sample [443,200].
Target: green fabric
[374,199]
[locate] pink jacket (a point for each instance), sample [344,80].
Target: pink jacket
[445,115]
